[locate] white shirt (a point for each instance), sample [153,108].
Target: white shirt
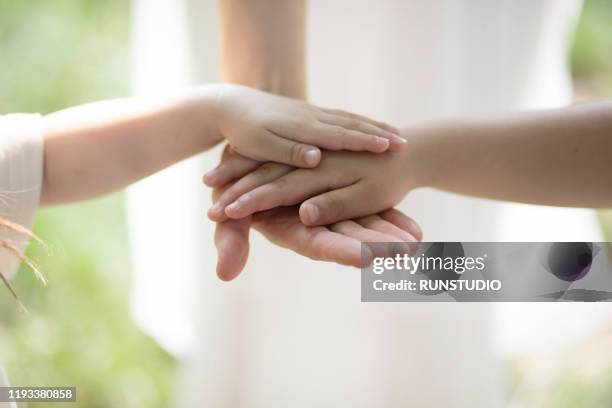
[21,170]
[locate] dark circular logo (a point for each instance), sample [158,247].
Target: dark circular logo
[570,261]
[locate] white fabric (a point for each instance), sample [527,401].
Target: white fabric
[292,332]
[21,168]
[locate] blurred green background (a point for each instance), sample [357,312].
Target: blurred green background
[79,332]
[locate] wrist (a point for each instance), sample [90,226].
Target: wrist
[294,88]
[205,113]
[428,155]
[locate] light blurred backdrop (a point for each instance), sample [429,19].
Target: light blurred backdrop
[55,54]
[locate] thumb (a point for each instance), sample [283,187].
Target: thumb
[337,205]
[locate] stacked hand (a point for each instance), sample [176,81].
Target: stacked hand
[257,183]
[274,128]
[279,221]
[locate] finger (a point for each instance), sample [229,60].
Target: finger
[365,128]
[333,247]
[387,244]
[281,150]
[231,167]
[397,144]
[355,124]
[331,137]
[376,123]
[282,227]
[376,223]
[335,137]
[387,249]
[232,242]
[404,222]
[337,205]
[265,173]
[354,230]
[290,189]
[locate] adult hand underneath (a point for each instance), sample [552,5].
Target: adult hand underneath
[339,242]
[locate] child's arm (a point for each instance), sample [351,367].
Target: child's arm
[98,148]
[556,157]
[101,147]
[560,157]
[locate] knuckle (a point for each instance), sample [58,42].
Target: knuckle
[353,123]
[229,195]
[280,185]
[296,153]
[345,113]
[334,143]
[340,131]
[331,207]
[264,170]
[300,127]
[340,134]
[279,189]
[370,222]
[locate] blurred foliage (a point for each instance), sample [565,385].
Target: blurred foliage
[591,61]
[591,54]
[573,376]
[573,393]
[79,331]
[57,53]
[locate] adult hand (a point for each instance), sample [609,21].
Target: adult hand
[339,242]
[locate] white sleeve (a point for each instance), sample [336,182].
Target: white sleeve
[21,175]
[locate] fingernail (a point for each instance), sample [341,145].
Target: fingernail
[382,143]
[232,207]
[400,140]
[312,212]
[417,229]
[312,157]
[216,208]
[209,177]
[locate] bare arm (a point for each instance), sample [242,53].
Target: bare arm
[97,148]
[559,157]
[263,45]
[101,147]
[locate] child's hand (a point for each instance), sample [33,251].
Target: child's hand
[345,185]
[273,128]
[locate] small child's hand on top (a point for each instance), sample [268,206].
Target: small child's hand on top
[268,127]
